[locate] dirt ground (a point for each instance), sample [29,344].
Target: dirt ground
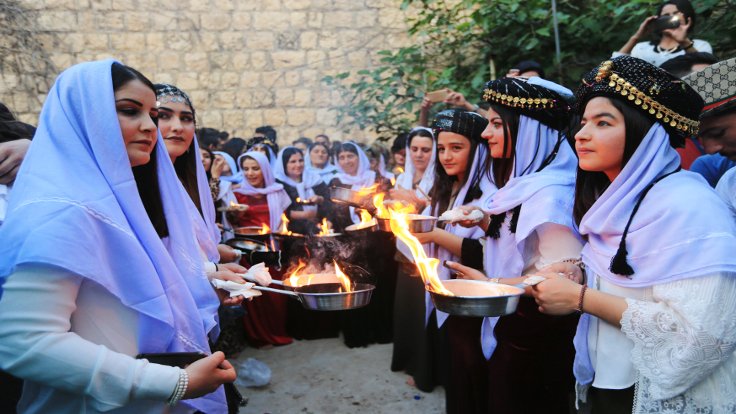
[325,376]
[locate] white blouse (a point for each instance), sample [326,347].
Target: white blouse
[726,188]
[683,340]
[650,53]
[75,342]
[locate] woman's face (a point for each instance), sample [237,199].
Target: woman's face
[373,163]
[400,157]
[602,137]
[295,166]
[453,151]
[226,167]
[420,151]
[319,156]
[494,134]
[135,104]
[671,10]
[348,162]
[206,160]
[252,172]
[176,123]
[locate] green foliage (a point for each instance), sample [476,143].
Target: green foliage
[461,44]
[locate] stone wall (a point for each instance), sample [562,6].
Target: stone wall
[245,63]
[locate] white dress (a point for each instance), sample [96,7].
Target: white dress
[726,188]
[78,342]
[682,337]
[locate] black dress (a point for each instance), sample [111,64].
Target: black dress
[535,352]
[303,323]
[374,253]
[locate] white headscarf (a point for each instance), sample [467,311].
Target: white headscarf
[327,172]
[406,179]
[681,230]
[364,177]
[545,196]
[278,200]
[305,188]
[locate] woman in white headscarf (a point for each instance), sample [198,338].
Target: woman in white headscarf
[658,326]
[305,188]
[103,249]
[354,173]
[265,319]
[317,160]
[528,226]
[414,184]
[411,350]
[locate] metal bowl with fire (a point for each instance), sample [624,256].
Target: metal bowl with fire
[324,290]
[459,296]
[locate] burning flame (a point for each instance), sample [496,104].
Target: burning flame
[366,191]
[265,229]
[298,200]
[233,204]
[400,170]
[365,218]
[427,266]
[294,277]
[344,281]
[324,228]
[285,225]
[381,211]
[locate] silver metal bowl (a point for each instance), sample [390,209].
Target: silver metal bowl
[417,223]
[327,297]
[467,303]
[347,196]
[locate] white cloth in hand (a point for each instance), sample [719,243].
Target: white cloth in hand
[259,274]
[236,289]
[455,215]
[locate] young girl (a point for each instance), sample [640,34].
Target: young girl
[459,180]
[659,304]
[528,224]
[83,243]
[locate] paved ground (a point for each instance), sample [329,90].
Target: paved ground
[325,376]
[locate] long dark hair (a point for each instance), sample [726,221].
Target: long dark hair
[441,192]
[589,185]
[146,176]
[500,169]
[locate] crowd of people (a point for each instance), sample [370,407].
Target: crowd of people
[116,212]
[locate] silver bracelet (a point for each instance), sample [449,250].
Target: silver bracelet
[181,388]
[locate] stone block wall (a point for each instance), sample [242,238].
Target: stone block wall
[245,63]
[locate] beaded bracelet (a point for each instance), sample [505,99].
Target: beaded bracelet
[181,388]
[582,296]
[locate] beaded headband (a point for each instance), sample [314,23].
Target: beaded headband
[645,101]
[517,102]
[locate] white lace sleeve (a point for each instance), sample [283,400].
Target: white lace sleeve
[685,335]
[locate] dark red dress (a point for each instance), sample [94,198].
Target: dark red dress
[265,317]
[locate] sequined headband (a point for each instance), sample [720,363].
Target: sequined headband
[644,100]
[517,102]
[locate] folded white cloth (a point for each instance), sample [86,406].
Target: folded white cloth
[236,289]
[258,273]
[456,215]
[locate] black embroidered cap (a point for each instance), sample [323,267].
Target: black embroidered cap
[262,140]
[532,100]
[459,121]
[659,95]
